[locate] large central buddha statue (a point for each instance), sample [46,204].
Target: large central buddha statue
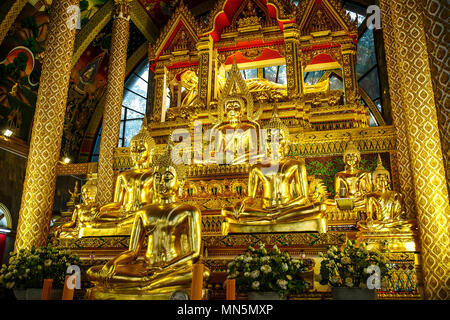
[172,233]
[286,203]
[235,136]
[352,184]
[133,189]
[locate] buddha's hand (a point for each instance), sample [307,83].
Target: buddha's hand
[107,271]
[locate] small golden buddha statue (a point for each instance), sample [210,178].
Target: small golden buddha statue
[83,213]
[286,199]
[133,190]
[172,232]
[352,184]
[383,206]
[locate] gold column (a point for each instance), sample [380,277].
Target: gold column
[349,73]
[159,94]
[436,30]
[10,17]
[403,25]
[398,115]
[40,178]
[294,70]
[113,100]
[204,47]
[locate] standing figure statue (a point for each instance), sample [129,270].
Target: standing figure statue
[384,207]
[286,198]
[352,184]
[172,233]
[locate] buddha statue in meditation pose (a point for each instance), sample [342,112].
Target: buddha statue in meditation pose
[82,214]
[352,184]
[133,190]
[286,202]
[172,233]
[236,141]
[383,206]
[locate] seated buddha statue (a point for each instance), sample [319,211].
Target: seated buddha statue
[285,194]
[235,141]
[83,213]
[133,187]
[383,206]
[352,184]
[172,232]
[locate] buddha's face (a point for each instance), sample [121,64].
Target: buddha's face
[276,141]
[351,159]
[139,152]
[381,181]
[88,193]
[189,80]
[233,109]
[165,181]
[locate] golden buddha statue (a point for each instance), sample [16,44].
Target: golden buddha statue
[83,213]
[172,232]
[287,203]
[189,81]
[383,206]
[133,190]
[235,139]
[352,184]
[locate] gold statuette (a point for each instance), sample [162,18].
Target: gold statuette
[384,207]
[352,184]
[173,236]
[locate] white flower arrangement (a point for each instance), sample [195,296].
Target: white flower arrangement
[29,268]
[262,270]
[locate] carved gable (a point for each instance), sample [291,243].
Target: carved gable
[323,15]
[180,33]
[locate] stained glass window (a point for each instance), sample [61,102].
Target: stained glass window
[133,107]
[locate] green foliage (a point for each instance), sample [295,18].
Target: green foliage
[326,171]
[262,270]
[29,268]
[347,267]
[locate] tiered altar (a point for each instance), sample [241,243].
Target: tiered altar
[335,176]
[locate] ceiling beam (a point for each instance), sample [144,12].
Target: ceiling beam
[143,22]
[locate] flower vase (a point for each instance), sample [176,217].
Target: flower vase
[36,294]
[345,293]
[255,295]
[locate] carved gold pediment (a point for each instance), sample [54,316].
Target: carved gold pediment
[180,33]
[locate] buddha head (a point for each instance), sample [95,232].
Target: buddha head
[142,147]
[381,177]
[233,109]
[168,177]
[277,135]
[352,156]
[88,192]
[189,80]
